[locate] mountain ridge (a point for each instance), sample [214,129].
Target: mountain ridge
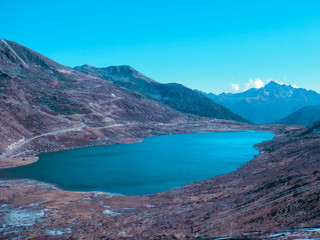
[306,116]
[173,95]
[267,104]
[39,95]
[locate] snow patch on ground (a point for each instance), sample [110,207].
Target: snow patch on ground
[22,217]
[310,229]
[12,145]
[12,220]
[14,53]
[65,71]
[109,212]
[57,232]
[37,203]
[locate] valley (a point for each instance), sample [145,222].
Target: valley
[277,190]
[48,107]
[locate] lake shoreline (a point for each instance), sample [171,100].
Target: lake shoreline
[194,156]
[28,154]
[285,171]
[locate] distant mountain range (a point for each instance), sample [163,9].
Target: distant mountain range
[173,95]
[306,116]
[268,104]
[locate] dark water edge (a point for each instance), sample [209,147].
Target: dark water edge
[154,165]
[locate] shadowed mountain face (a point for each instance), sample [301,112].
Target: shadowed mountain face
[173,95]
[38,95]
[306,116]
[268,104]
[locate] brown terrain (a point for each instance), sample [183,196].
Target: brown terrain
[45,106]
[48,107]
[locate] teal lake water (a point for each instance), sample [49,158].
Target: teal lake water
[154,165]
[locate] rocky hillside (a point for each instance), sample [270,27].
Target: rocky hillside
[268,104]
[306,116]
[39,96]
[173,95]
[45,106]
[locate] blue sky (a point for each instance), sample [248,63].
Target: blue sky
[207,45]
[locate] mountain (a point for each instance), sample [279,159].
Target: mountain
[51,106]
[306,116]
[268,104]
[45,106]
[173,95]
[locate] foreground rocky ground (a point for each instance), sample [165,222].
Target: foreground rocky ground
[275,195]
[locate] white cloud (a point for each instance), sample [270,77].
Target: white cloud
[256,83]
[235,87]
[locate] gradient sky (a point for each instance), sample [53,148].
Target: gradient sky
[207,45]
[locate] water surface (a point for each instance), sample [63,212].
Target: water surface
[154,165]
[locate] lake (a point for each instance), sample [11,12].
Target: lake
[156,164]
